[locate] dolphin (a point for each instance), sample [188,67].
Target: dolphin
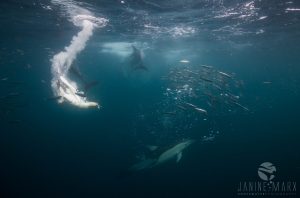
[172,153]
[70,93]
[136,59]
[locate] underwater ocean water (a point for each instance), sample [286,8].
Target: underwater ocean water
[149,98]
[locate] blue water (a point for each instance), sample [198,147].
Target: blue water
[50,149]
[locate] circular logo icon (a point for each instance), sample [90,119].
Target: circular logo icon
[266,171]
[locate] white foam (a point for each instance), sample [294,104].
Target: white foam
[182,31]
[70,8]
[122,49]
[78,20]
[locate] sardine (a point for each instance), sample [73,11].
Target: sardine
[225,74]
[238,104]
[201,110]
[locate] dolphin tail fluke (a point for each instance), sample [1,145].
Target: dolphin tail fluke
[89,85]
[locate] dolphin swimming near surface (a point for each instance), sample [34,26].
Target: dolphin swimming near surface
[136,59]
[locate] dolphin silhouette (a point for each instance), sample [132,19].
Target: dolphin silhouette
[173,153]
[136,59]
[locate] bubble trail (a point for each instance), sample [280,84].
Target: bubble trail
[62,61]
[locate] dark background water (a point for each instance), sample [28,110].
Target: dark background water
[52,150]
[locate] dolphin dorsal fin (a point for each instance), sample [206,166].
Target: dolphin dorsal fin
[179,156]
